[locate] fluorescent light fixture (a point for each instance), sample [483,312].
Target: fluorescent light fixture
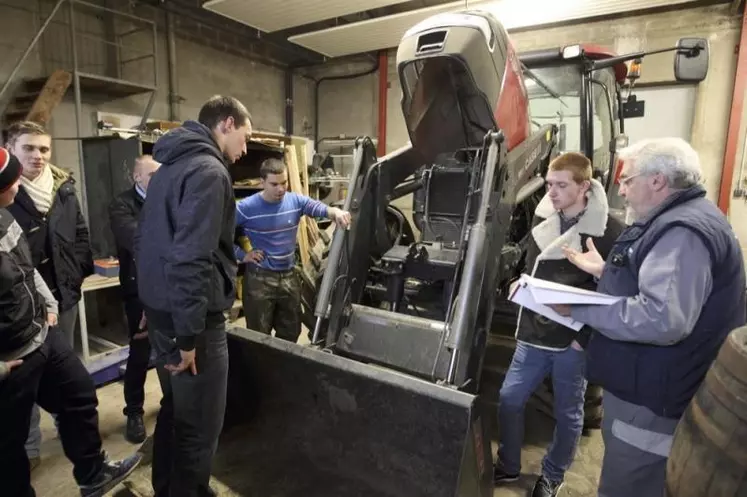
[386,32]
[274,15]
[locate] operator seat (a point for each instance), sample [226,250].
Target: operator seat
[438,207]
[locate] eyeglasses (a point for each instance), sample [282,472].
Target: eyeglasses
[626,181]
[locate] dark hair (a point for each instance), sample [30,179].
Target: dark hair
[271,166]
[20,128]
[220,108]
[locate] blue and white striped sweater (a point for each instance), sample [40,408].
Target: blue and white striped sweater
[273,227]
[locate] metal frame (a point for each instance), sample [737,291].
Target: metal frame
[79,75]
[107,362]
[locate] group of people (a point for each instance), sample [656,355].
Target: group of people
[175,233]
[677,267]
[44,257]
[680,273]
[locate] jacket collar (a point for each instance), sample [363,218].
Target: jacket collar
[673,200]
[593,222]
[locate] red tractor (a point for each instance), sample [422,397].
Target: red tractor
[387,398]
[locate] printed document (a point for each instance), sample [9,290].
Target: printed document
[536,294]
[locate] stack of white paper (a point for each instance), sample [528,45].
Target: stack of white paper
[536,294]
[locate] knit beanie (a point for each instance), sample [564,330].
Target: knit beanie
[10,169]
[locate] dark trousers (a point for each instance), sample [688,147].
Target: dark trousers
[53,377]
[191,416]
[137,361]
[272,299]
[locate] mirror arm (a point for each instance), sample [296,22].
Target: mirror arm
[613,61]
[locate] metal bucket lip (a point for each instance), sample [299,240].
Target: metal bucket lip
[377,373]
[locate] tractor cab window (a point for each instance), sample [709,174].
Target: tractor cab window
[554,98]
[604,110]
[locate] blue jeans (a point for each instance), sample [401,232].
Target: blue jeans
[529,367]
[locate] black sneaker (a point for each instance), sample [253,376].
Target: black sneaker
[135,431]
[546,488]
[111,475]
[500,476]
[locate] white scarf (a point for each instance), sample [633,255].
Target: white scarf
[40,189]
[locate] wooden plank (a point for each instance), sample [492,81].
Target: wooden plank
[294,180]
[50,97]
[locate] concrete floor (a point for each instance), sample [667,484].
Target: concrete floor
[54,478]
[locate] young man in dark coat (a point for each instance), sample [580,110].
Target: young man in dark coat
[124,211]
[573,211]
[38,365]
[48,211]
[186,272]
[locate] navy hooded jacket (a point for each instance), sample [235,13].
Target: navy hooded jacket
[185,263]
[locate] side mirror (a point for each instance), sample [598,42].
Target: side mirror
[691,60]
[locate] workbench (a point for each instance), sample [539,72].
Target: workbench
[104,339]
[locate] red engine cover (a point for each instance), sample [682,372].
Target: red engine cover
[512,109]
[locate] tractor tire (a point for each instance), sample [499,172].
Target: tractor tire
[498,356]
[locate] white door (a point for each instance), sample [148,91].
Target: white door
[669,112]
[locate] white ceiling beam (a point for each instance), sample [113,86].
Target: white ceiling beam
[386,32]
[276,15]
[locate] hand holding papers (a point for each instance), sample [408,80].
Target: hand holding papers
[537,294]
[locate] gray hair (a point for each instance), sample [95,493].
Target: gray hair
[676,159]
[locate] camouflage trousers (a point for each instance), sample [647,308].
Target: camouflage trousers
[272,300]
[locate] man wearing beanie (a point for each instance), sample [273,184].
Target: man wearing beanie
[38,365]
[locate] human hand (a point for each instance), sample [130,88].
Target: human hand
[255,256]
[187,362]
[577,346]
[143,327]
[52,319]
[341,218]
[590,262]
[7,366]
[562,309]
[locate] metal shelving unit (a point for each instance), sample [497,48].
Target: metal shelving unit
[90,83]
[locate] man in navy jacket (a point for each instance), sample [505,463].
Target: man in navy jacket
[186,271]
[680,273]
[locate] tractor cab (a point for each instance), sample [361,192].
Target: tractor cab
[586,90]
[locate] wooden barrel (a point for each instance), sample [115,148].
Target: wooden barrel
[709,450]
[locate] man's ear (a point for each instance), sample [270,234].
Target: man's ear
[228,125]
[659,182]
[586,186]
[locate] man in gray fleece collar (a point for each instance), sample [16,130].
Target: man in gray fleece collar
[37,365]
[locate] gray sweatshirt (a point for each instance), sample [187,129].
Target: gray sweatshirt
[38,340]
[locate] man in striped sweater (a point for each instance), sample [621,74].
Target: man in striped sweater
[270,219]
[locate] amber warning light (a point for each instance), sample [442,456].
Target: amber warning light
[634,72]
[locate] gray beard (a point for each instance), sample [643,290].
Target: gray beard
[630,216]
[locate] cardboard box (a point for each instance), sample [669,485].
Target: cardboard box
[108,268]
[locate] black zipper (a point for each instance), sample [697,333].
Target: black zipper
[31,294]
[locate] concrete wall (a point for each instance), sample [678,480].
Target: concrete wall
[202,71]
[649,32]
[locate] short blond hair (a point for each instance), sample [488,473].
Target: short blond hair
[578,164]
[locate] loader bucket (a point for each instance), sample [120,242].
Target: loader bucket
[301,422]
